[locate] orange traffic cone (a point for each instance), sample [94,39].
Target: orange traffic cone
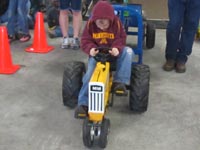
[6,66]
[39,42]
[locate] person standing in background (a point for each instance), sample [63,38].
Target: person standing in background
[54,29]
[18,21]
[65,7]
[183,22]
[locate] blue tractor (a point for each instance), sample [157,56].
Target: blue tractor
[132,17]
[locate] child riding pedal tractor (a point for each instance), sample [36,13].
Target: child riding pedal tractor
[111,70]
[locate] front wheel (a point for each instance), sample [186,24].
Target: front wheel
[105,128]
[139,88]
[87,137]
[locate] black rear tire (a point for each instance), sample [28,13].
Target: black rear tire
[139,88]
[72,82]
[150,35]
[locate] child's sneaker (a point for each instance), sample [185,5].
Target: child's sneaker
[75,44]
[65,43]
[119,89]
[25,37]
[81,112]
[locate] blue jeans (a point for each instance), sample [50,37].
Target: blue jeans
[17,17]
[122,74]
[183,22]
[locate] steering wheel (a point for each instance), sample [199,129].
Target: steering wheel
[103,55]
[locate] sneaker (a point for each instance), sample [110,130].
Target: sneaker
[75,44]
[169,65]
[65,43]
[119,89]
[25,37]
[180,67]
[81,112]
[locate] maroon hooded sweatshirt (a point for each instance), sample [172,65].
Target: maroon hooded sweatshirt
[94,37]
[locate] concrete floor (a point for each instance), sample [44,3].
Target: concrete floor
[34,118]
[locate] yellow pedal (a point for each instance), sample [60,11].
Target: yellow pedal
[121,93]
[81,116]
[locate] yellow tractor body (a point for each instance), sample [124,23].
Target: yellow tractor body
[99,90]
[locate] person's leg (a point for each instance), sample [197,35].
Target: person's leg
[64,21]
[82,108]
[77,17]
[176,9]
[190,24]
[77,21]
[191,21]
[83,94]
[123,68]
[176,13]
[22,12]
[29,16]
[12,9]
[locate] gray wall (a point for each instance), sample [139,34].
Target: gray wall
[154,9]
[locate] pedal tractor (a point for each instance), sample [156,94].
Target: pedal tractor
[100,95]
